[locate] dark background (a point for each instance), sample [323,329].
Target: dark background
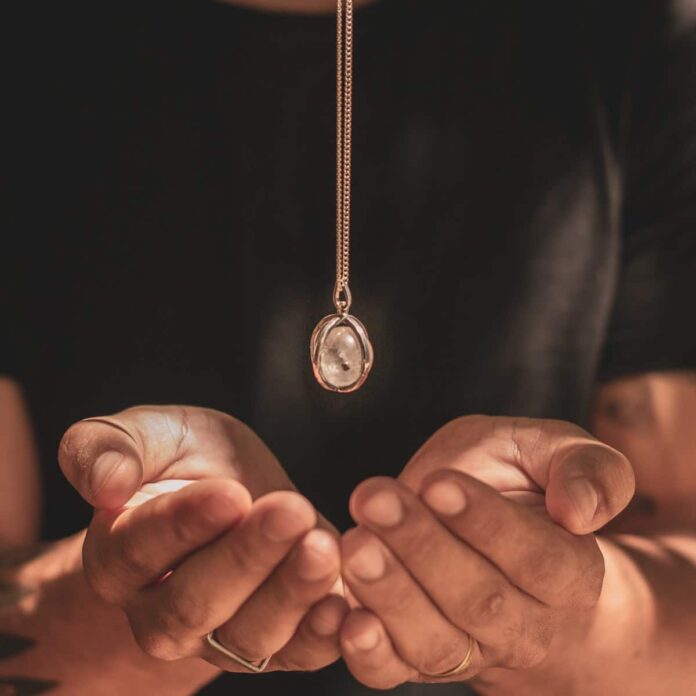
[523,222]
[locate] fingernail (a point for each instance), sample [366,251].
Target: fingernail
[383,509]
[103,469]
[281,524]
[367,640]
[317,556]
[584,496]
[445,497]
[368,562]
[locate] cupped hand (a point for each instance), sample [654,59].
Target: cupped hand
[149,449]
[198,528]
[486,534]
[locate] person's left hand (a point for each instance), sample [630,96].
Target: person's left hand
[486,533]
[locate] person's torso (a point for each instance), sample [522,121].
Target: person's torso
[185,220]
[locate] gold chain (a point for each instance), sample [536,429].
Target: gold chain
[344,115]
[340,350]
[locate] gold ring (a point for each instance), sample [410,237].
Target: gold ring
[460,668]
[255,667]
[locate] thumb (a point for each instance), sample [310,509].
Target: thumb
[589,483]
[107,459]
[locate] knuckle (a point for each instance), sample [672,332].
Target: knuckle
[157,645]
[532,646]
[529,439]
[179,427]
[183,613]
[132,557]
[526,640]
[516,449]
[527,655]
[512,632]
[489,607]
[188,526]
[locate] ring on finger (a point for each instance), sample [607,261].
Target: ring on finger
[255,667]
[460,668]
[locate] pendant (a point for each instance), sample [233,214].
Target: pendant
[341,351]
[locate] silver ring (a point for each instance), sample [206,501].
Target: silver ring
[255,667]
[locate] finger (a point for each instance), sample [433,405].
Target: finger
[421,635]
[467,588]
[316,642]
[369,653]
[586,482]
[588,485]
[125,551]
[535,554]
[209,587]
[107,459]
[271,616]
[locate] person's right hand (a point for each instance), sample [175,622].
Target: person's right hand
[198,528]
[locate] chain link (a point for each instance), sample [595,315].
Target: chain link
[344,120]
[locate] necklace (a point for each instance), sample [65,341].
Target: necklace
[340,349]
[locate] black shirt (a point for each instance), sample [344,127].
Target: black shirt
[523,221]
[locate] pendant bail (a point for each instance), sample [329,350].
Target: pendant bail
[343,298]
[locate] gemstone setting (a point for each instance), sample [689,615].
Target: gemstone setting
[341,353]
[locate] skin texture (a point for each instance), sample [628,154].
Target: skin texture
[503,570]
[540,587]
[489,500]
[196,491]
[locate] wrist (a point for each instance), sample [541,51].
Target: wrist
[78,641]
[590,643]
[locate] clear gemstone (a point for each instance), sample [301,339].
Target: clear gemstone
[341,357]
